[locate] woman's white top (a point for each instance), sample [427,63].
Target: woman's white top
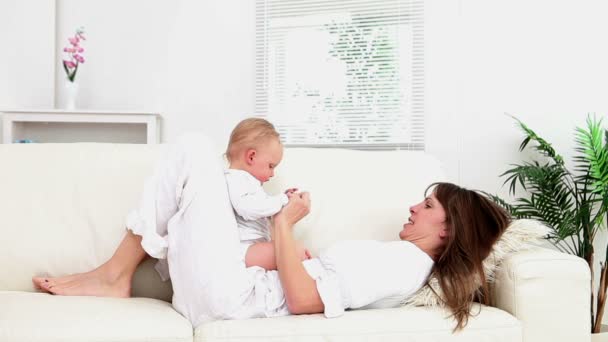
[367,274]
[356,274]
[252,205]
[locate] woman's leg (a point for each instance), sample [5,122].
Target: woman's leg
[209,278]
[146,234]
[112,279]
[191,223]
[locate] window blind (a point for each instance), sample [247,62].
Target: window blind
[342,73]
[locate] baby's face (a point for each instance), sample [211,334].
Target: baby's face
[266,158]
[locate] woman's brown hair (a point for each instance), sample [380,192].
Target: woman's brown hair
[247,134]
[474,224]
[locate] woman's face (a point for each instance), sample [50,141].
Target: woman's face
[427,219]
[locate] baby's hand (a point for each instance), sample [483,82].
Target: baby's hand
[303,252]
[290,192]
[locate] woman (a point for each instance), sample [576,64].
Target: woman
[185,218]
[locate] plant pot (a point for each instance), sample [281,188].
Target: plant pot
[602,336]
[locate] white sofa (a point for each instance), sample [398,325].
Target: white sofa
[63,207]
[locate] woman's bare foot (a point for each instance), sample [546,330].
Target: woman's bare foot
[112,279]
[100,282]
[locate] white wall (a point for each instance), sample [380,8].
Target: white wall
[211,67]
[27,53]
[542,61]
[192,61]
[125,52]
[126,56]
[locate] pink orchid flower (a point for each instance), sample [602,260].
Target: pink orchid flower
[70,65]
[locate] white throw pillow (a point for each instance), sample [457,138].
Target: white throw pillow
[520,235]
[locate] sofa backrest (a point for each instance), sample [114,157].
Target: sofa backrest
[355,194]
[63,206]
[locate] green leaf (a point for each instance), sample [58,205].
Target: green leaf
[542,146]
[74,73]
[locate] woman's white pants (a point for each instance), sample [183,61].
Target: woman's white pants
[185,217]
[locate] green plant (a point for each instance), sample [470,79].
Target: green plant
[574,204]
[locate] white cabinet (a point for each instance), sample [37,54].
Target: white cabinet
[79,125]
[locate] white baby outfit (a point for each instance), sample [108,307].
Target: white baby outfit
[185,219]
[253,207]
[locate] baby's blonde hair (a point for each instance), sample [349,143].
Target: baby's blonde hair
[248,134]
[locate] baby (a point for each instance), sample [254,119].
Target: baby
[253,152]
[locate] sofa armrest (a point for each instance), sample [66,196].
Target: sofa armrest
[549,292]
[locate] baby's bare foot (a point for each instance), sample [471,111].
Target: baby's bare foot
[97,283]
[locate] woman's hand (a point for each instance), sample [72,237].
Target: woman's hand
[296,209]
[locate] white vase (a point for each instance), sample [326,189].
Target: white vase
[70,95]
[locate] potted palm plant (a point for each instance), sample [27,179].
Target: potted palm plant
[573,203]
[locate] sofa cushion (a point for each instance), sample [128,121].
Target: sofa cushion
[399,324]
[26,316]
